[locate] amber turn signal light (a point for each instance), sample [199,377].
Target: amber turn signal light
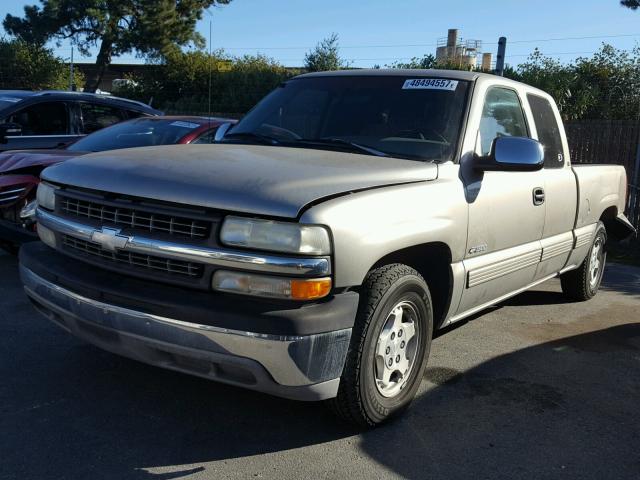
[310,289]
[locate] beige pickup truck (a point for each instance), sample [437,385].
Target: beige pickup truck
[314,250]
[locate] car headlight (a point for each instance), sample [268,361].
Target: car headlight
[46,196]
[275,236]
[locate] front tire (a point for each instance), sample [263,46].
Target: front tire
[389,347]
[583,283]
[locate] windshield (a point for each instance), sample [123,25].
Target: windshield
[141,132]
[407,117]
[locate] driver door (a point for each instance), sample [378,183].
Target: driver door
[44,125]
[505,221]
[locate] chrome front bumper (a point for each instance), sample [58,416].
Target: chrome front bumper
[299,367]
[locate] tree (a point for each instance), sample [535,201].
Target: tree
[325,56]
[604,86]
[426,61]
[33,67]
[180,83]
[632,4]
[150,28]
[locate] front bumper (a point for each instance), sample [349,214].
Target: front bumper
[274,365]
[301,367]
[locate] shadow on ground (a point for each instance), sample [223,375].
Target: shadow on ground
[563,409]
[567,408]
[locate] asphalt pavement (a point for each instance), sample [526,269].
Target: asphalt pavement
[534,388]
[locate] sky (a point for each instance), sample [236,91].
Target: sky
[380,32]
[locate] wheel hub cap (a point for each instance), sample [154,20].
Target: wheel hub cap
[396,349]
[595,262]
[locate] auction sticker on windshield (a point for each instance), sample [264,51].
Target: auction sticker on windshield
[180,123]
[430,84]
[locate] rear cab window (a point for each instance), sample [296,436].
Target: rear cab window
[548,131]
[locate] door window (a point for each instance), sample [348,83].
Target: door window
[548,131]
[95,116]
[47,118]
[502,116]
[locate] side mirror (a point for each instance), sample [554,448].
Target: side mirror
[512,154]
[9,129]
[222,131]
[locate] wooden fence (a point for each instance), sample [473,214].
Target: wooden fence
[605,141]
[610,141]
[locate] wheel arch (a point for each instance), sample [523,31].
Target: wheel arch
[616,226]
[432,260]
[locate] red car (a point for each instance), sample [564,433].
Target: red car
[20,169]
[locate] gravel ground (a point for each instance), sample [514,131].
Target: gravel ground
[534,388]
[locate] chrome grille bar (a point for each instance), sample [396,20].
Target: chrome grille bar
[135,218]
[166,265]
[7,196]
[296,266]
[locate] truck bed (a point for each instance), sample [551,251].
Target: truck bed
[599,186]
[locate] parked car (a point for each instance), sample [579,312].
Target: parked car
[20,169]
[313,252]
[48,119]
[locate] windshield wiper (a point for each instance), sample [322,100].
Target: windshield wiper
[253,136]
[343,143]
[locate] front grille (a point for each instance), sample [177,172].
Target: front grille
[136,260]
[13,193]
[136,218]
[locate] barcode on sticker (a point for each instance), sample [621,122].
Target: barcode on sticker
[430,84]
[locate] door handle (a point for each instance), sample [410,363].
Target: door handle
[538,196]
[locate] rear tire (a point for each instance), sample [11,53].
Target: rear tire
[583,283]
[389,347]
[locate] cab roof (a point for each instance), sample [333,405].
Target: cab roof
[416,72]
[398,72]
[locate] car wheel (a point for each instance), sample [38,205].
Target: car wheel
[583,283]
[389,347]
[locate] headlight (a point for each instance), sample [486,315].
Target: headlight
[272,287]
[46,196]
[275,236]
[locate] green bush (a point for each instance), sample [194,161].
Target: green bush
[180,84]
[605,86]
[27,66]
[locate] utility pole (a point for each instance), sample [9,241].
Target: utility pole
[210,65]
[71,85]
[502,47]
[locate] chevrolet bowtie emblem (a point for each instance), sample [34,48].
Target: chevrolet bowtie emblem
[109,239]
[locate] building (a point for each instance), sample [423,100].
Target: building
[453,50]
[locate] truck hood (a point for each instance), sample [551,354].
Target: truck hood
[257,179]
[19,159]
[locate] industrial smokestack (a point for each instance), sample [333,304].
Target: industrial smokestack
[486,61]
[502,48]
[452,37]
